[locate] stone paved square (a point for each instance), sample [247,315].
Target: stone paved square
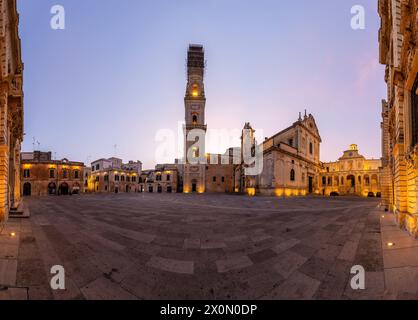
[176,246]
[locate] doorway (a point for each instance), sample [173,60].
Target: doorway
[27,189]
[310,184]
[52,188]
[351,181]
[63,190]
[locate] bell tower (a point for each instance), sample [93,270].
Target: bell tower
[195,127]
[195,99]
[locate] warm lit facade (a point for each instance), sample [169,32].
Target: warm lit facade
[164,179]
[43,176]
[398,39]
[11,108]
[113,176]
[290,162]
[352,174]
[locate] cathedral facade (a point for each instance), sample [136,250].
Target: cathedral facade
[398,38]
[11,108]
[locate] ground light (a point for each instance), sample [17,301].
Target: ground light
[390,244]
[12,234]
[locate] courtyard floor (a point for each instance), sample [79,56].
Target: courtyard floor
[175,246]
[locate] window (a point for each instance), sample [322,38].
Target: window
[51,173]
[327,169]
[168,177]
[330,181]
[291,142]
[64,174]
[214,179]
[414,112]
[292,175]
[324,181]
[194,119]
[106,178]
[133,179]
[97,166]
[97,178]
[76,174]
[223,179]
[311,148]
[26,173]
[122,178]
[116,178]
[158,177]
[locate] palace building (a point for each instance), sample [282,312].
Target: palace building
[164,179]
[11,108]
[398,38]
[43,176]
[113,176]
[352,174]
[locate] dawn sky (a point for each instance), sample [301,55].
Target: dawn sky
[116,75]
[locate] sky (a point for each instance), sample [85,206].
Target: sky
[115,76]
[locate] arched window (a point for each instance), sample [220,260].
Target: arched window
[310,148]
[324,181]
[292,175]
[194,119]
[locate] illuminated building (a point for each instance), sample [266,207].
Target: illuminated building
[113,176]
[290,161]
[43,176]
[398,38]
[352,174]
[11,108]
[164,179]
